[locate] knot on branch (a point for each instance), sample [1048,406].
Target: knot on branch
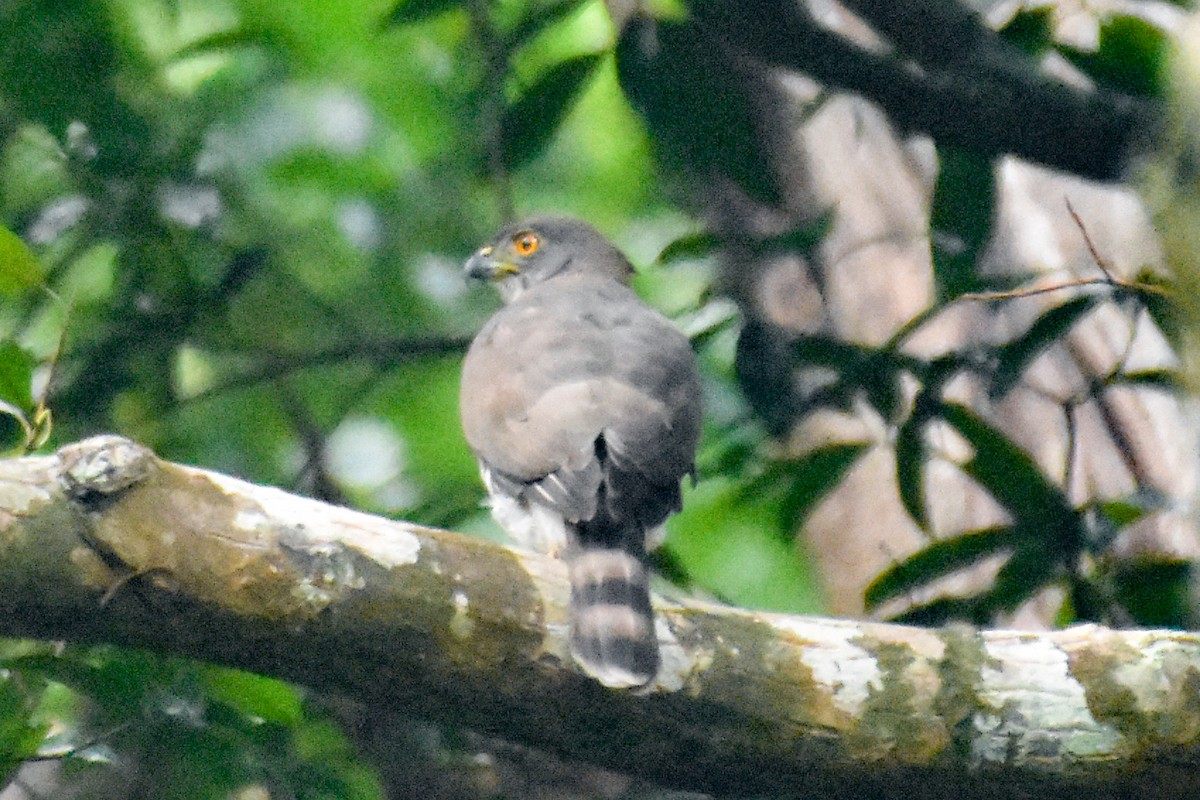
[96,470]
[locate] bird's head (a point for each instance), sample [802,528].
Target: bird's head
[540,248]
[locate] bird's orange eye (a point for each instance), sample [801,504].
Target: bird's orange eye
[526,243]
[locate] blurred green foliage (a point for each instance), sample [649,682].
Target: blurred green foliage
[232,230]
[172,728]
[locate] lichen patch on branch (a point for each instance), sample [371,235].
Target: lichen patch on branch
[388,543]
[1009,704]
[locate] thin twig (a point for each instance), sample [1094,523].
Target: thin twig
[1110,282]
[1091,246]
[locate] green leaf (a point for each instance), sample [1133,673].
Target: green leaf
[1131,57]
[408,11]
[1166,379]
[16,375]
[1014,479]
[874,371]
[1029,569]
[18,416]
[1017,355]
[33,171]
[11,650]
[910,467]
[729,449]
[845,357]
[961,219]
[881,382]
[803,239]
[910,440]
[117,681]
[692,246]
[1125,511]
[941,557]
[215,42]
[539,17]
[59,64]
[700,104]
[19,268]
[1031,30]
[813,477]
[763,366]
[16,431]
[1106,518]
[1156,591]
[530,123]
[266,698]
[1160,295]
[858,370]
[942,611]
[19,737]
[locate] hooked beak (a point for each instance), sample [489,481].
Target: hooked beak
[483,265]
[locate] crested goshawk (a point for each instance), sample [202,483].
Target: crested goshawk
[582,405]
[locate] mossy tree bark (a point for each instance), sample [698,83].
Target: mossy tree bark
[103,542]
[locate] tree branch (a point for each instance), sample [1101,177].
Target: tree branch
[103,542]
[968,88]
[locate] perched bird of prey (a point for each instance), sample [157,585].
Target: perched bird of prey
[582,405]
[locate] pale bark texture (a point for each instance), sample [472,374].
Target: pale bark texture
[855,151]
[103,542]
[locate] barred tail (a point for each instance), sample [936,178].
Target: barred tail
[612,623]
